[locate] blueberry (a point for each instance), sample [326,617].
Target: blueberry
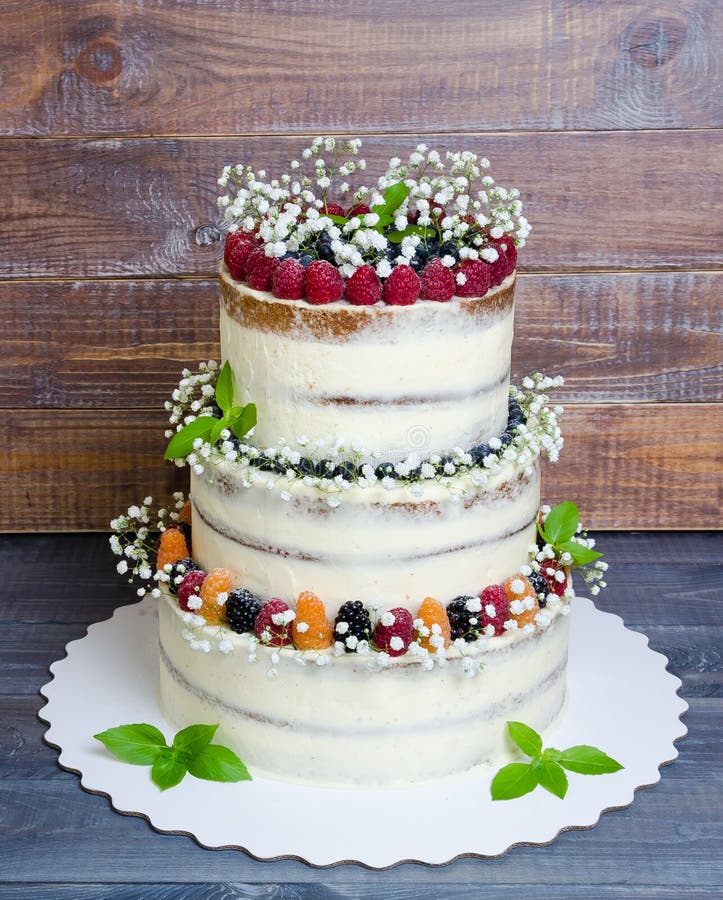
[347,470]
[479,452]
[216,411]
[449,249]
[291,254]
[384,470]
[306,259]
[416,263]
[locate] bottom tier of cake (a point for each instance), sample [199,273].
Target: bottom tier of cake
[345,722]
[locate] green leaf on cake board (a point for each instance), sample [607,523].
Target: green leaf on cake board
[169,769]
[514,780]
[586,760]
[136,744]
[217,763]
[526,738]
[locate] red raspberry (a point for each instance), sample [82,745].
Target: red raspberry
[191,587]
[287,282]
[259,269]
[402,287]
[364,287]
[496,597]
[505,262]
[239,247]
[333,209]
[477,275]
[548,570]
[437,282]
[323,282]
[360,209]
[396,637]
[269,632]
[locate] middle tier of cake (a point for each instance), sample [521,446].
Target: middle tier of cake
[379,545]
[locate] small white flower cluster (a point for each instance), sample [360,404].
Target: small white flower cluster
[193,397]
[132,541]
[457,204]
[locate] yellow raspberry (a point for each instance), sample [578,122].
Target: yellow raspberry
[217,582]
[518,587]
[172,546]
[311,630]
[432,612]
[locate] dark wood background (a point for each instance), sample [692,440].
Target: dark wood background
[115,119]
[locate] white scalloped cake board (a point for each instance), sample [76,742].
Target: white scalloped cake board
[621,699]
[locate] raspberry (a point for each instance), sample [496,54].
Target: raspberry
[477,278]
[287,282]
[217,582]
[178,571]
[259,269]
[323,282]
[523,600]
[394,631]
[364,287]
[437,282]
[464,618]
[359,209]
[505,262]
[273,624]
[311,630]
[508,244]
[189,590]
[542,588]
[495,609]
[352,624]
[549,569]
[172,546]
[333,209]
[237,252]
[402,287]
[241,610]
[435,618]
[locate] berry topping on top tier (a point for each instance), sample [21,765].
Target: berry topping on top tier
[429,214]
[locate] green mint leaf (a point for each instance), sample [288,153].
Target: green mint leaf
[169,769]
[552,753]
[396,237]
[561,522]
[337,220]
[245,422]
[190,741]
[224,388]
[514,780]
[217,763]
[181,443]
[526,738]
[218,428]
[551,776]
[581,556]
[586,760]
[394,196]
[136,744]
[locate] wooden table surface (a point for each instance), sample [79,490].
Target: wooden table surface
[60,843]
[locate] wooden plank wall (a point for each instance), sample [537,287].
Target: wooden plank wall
[116,117]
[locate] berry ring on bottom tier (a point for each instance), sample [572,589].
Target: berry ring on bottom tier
[322,719]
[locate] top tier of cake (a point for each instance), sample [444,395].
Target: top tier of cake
[428,377]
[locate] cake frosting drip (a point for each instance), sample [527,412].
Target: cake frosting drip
[389,545]
[342,724]
[427,377]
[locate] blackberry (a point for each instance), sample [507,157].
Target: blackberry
[515,413]
[506,438]
[479,452]
[352,621]
[241,610]
[347,470]
[542,588]
[178,570]
[306,466]
[463,623]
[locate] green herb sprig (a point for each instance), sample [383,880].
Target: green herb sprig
[239,420]
[191,751]
[546,767]
[560,526]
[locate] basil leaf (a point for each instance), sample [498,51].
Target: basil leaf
[561,522]
[581,556]
[136,744]
[193,739]
[245,422]
[181,443]
[526,738]
[169,769]
[588,760]
[551,776]
[217,763]
[514,780]
[394,196]
[218,428]
[396,237]
[337,220]
[224,388]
